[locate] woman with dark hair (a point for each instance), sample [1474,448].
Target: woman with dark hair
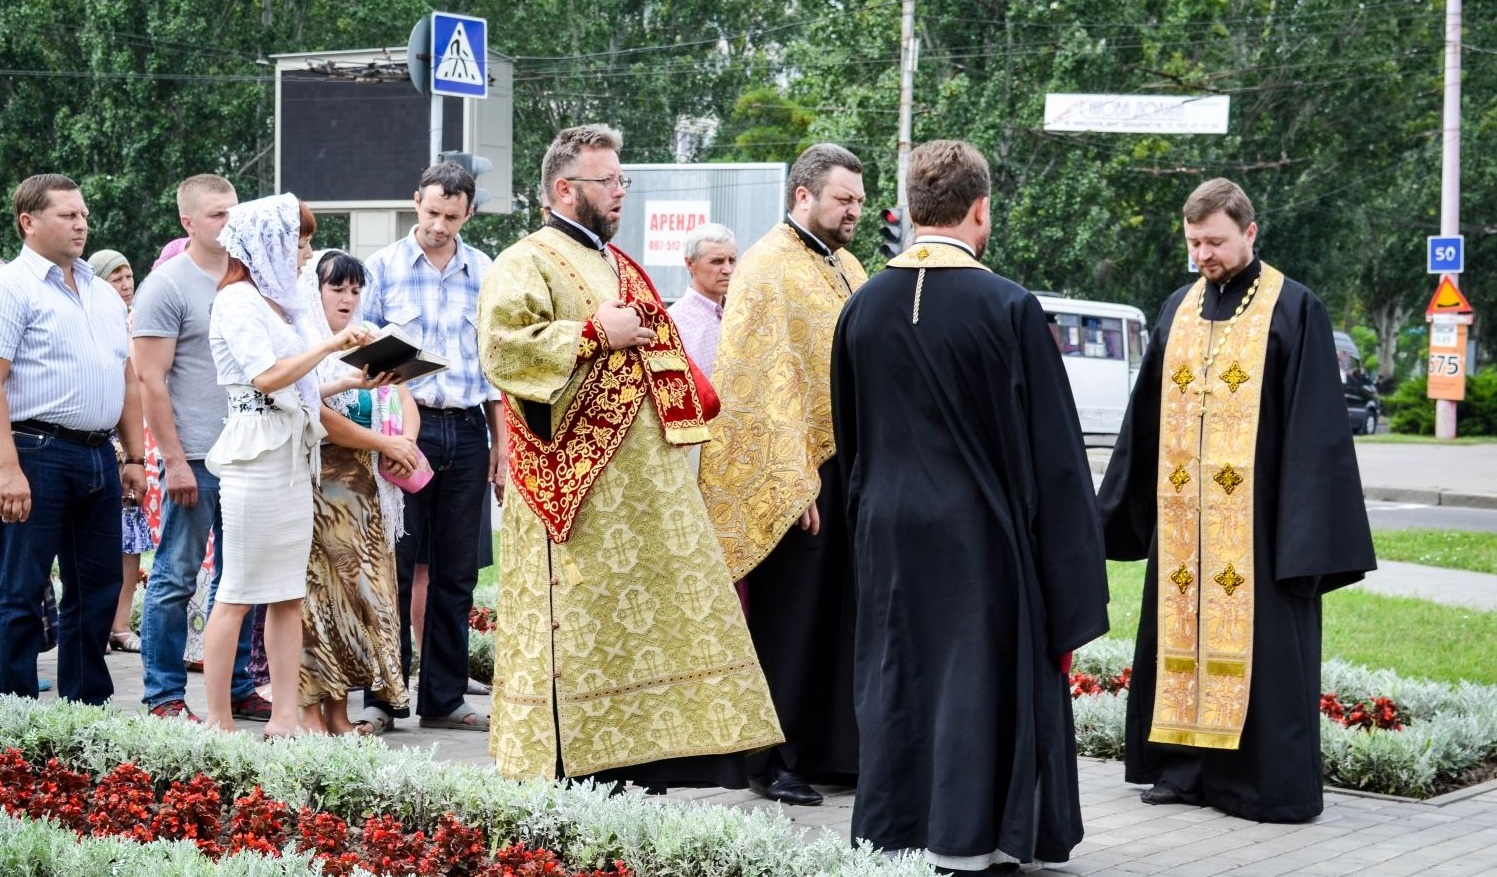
[351,615]
[266,457]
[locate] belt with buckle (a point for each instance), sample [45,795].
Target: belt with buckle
[90,437]
[449,412]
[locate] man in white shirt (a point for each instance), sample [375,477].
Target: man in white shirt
[711,258]
[66,382]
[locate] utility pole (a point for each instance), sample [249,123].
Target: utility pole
[1450,173]
[909,47]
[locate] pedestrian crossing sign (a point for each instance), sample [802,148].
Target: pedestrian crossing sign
[459,55]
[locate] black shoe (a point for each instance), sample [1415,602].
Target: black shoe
[786,787]
[1166,794]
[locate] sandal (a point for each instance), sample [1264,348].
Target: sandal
[373,722]
[457,720]
[124,641]
[477,687]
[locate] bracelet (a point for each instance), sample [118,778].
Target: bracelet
[137,461]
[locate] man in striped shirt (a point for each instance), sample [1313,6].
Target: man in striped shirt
[711,258]
[66,382]
[427,283]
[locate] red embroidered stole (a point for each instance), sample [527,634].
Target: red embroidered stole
[554,477]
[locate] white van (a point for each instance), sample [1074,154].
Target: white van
[1102,344]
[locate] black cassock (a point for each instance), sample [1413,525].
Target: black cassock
[1309,528]
[978,560]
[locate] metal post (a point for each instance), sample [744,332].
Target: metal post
[907,50]
[436,127]
[1450,174]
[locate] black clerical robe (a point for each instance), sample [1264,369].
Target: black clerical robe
[978,561]
[1310,536]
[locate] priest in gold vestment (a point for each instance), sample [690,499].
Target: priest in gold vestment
[620,649]
[1235,475]
[772,489]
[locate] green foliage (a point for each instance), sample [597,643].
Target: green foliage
[1409,410]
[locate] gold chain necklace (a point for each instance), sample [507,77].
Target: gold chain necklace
[1227,332]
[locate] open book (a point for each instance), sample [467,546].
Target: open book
[393,351]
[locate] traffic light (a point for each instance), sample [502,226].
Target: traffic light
[476,165]
[892,231]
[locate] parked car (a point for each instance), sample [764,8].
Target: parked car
[1362,404]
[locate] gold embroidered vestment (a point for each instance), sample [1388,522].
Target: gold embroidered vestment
[1208,427]
[774,377]
[625,643]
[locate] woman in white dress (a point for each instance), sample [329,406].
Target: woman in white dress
[266,457]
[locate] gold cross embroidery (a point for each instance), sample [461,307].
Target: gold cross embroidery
[1179,478]
[922,254]
[1182,578]
[1228,478]
[1183,376]
[1229,579]
[1235,376]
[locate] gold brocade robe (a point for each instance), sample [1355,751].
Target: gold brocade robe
[629,630]
[773,375]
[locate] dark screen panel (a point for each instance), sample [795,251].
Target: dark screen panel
[350,141]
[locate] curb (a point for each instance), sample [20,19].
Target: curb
[1432,496]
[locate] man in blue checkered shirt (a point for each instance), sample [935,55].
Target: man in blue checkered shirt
[427,284]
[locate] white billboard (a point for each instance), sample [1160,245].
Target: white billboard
[1137,114]
[666,225]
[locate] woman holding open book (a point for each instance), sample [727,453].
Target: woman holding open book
[267,455]
[351,616]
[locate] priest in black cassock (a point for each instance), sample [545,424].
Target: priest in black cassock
[976,542]
[1235,476]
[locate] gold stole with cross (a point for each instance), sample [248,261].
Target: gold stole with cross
[1208,436]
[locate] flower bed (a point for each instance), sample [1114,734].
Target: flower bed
[124,804]
[353,779]
[1379,732]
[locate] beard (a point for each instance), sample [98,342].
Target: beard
[595,220]
[834,237]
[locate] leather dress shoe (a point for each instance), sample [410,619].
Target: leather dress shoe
[787,787]
[1166,794]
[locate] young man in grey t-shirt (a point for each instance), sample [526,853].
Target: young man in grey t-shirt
[185,409]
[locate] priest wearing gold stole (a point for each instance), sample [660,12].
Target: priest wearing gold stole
[1235,475]
[772,487]
[620,649]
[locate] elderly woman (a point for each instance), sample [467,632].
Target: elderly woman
[351,616]
[134,524]
[266,457]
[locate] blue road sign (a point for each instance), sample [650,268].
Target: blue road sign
[459,55]
[1447,255]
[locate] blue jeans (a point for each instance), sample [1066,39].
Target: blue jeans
[448,512]
[75,519]
[173,581]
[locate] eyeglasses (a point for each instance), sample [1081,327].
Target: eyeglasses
[608,182]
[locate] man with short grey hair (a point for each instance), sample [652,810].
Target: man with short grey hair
[711,254]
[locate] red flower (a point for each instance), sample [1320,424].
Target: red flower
[61,794]
[123,804]
[258,824]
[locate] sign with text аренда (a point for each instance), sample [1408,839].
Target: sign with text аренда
[459,55]
[666,225]
[1137,113]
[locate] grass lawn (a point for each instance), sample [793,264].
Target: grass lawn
[1415,638]
[1452,549]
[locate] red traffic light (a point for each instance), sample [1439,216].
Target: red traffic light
[891,215]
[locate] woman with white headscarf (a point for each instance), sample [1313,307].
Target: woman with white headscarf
[351,616]
[266,457]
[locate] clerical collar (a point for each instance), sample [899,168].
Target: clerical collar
[943,239]
[576,232]
[1239,282]
[809,239]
